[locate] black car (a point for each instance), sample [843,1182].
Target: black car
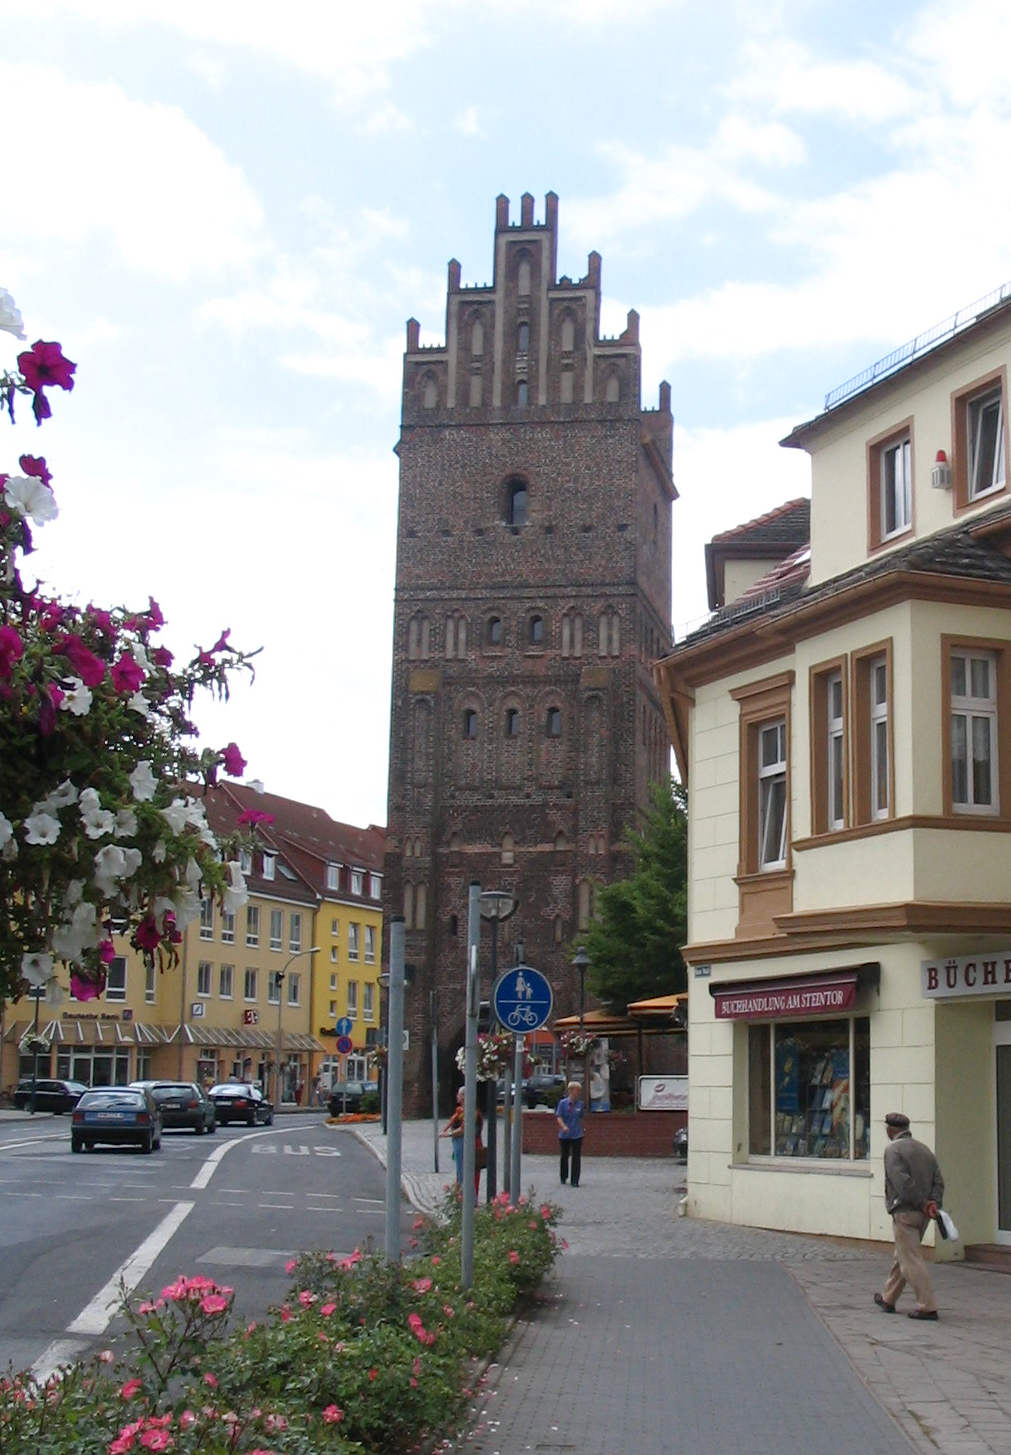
[49,1095]
[182,1104]
[540,1089]
[116,1115]
[347,1095]
[237,1101]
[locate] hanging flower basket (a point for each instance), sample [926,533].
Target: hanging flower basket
[576,1043]
[494,1056]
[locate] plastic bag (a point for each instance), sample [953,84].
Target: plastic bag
[946,1225]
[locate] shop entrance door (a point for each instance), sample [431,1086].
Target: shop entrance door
[1002,1049]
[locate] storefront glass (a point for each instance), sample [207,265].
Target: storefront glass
[809,1088]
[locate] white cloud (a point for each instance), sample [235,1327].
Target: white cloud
[787,77]
[468,121]
[966,43]
[771,144]
[103,164]
[387,118]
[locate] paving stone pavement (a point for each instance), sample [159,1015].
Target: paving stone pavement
[664,1335]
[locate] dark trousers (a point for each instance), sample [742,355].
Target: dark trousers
[570,1147]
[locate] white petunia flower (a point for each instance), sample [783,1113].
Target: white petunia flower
[175,815]
[140,704]
[236,894]
[77,698]
[27,495]
[159,852]
[10,315]
[98,821]
[110,866]
[60,797]
[187,908]
[36,967]
[193,874]
[132,860]
[41,828]
[140,656]
[143,782]
[6,830]
[126,823]
[82,932]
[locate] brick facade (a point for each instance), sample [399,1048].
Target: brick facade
[532,595]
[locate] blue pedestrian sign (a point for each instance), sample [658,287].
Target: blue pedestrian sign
[521,999]
[344,1026]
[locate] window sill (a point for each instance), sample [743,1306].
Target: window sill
[808,1166]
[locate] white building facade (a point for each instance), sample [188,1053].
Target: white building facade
[844,731]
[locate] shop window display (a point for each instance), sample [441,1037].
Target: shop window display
[810,1089]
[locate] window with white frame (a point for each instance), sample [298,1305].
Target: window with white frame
[207,919]
[252,924]
[115,979]
[974,732]
[249,984]
[294,988]
[836,751]
[368,1001]
[245,861]
[269,863]
[333,876]
[772,795]
[333,982]
[352,1000]
[370,944]
[985,438]
[375,886]
[226,982]
[294,932]
[353,941]
[332,1010]
[357,880]
[228,926]
[896,488]
[276,928]
[150,982]
[880,775]
[204,973]
[333,954]
[273,988]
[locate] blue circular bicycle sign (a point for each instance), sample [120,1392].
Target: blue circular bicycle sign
[521,999]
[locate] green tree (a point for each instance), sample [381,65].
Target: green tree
[641,922]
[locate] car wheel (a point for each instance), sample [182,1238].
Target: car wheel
[270,1120]
[251,1119]
[157,1145]
[148,1143]
[76,1145]
[213,1127]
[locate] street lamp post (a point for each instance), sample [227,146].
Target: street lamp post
[279,982]
[581,960]
[496,905]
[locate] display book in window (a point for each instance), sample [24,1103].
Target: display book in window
[822,1130]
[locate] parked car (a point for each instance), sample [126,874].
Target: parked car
[117,1115]
[182,1104]
[540,1088]
[348,1095]
[237,1101]
[49,1095]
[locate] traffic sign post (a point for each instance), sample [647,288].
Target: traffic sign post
[344,1026]
[522,999]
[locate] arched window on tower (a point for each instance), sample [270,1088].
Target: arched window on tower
[523,277]
[408,906]
[535,631]
[419,637]
[553,722]
[568,334]
[572,634]
[477,338]
[512,722]
[469,723]
[612,389]
[429,392]
[516,503]
[610,633]
[523,338]
[508,849]
[493,632]
[585,903]
[420,906]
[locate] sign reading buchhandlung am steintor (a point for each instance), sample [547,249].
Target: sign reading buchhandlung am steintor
[769,999]
[988,973]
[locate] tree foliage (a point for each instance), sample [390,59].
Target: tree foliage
[641,922]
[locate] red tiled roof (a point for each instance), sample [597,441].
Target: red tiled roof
[787,522]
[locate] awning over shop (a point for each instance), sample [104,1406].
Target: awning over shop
[659,1007]
[71,1031]
[832,990]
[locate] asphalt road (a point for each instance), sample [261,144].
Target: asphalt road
[234,1206]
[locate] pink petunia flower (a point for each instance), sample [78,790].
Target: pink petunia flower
[233,762]
[127,676]
[86,665]
[148,937]
[129,1389]
[36,465]
[12,649]
[213,1303]
[44,367]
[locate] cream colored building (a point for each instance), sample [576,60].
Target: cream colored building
[844,730]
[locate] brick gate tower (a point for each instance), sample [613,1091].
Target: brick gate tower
[533,591]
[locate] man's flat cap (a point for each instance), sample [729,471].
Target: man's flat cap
[897,1119]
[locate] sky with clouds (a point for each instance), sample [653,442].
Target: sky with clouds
[226,211]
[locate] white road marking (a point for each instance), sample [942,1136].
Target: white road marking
[58,1353]
[209,1168]
[95,1316]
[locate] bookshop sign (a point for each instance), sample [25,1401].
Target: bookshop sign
[771,999]
[985,974]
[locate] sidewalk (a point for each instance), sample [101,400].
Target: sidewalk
[661,1335]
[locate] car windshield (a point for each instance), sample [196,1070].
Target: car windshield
[166,1093]
[231,1089]
[99,1100]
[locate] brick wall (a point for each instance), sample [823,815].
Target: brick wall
[609,1134]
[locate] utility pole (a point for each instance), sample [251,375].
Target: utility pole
[470,1088]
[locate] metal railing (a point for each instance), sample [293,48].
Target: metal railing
[919,345]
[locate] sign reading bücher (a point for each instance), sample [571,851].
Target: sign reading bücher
[984,974]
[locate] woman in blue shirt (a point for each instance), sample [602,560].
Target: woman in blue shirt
[569,1116]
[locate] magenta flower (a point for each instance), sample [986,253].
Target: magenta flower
[126,674]
[213,1303]
[148,937]
[155,620]
[81,988]
[162,657]
[44,366]
[11,650]
[233,762]
[36,465]
[332,1414]
[255,816]
[130,1388]
[86,665]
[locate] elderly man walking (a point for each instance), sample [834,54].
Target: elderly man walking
[914,1188]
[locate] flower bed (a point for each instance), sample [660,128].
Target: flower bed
[365,1357]
[343,1118]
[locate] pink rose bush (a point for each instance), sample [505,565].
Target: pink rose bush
[102,829]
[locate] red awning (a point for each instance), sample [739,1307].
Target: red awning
[833,990]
